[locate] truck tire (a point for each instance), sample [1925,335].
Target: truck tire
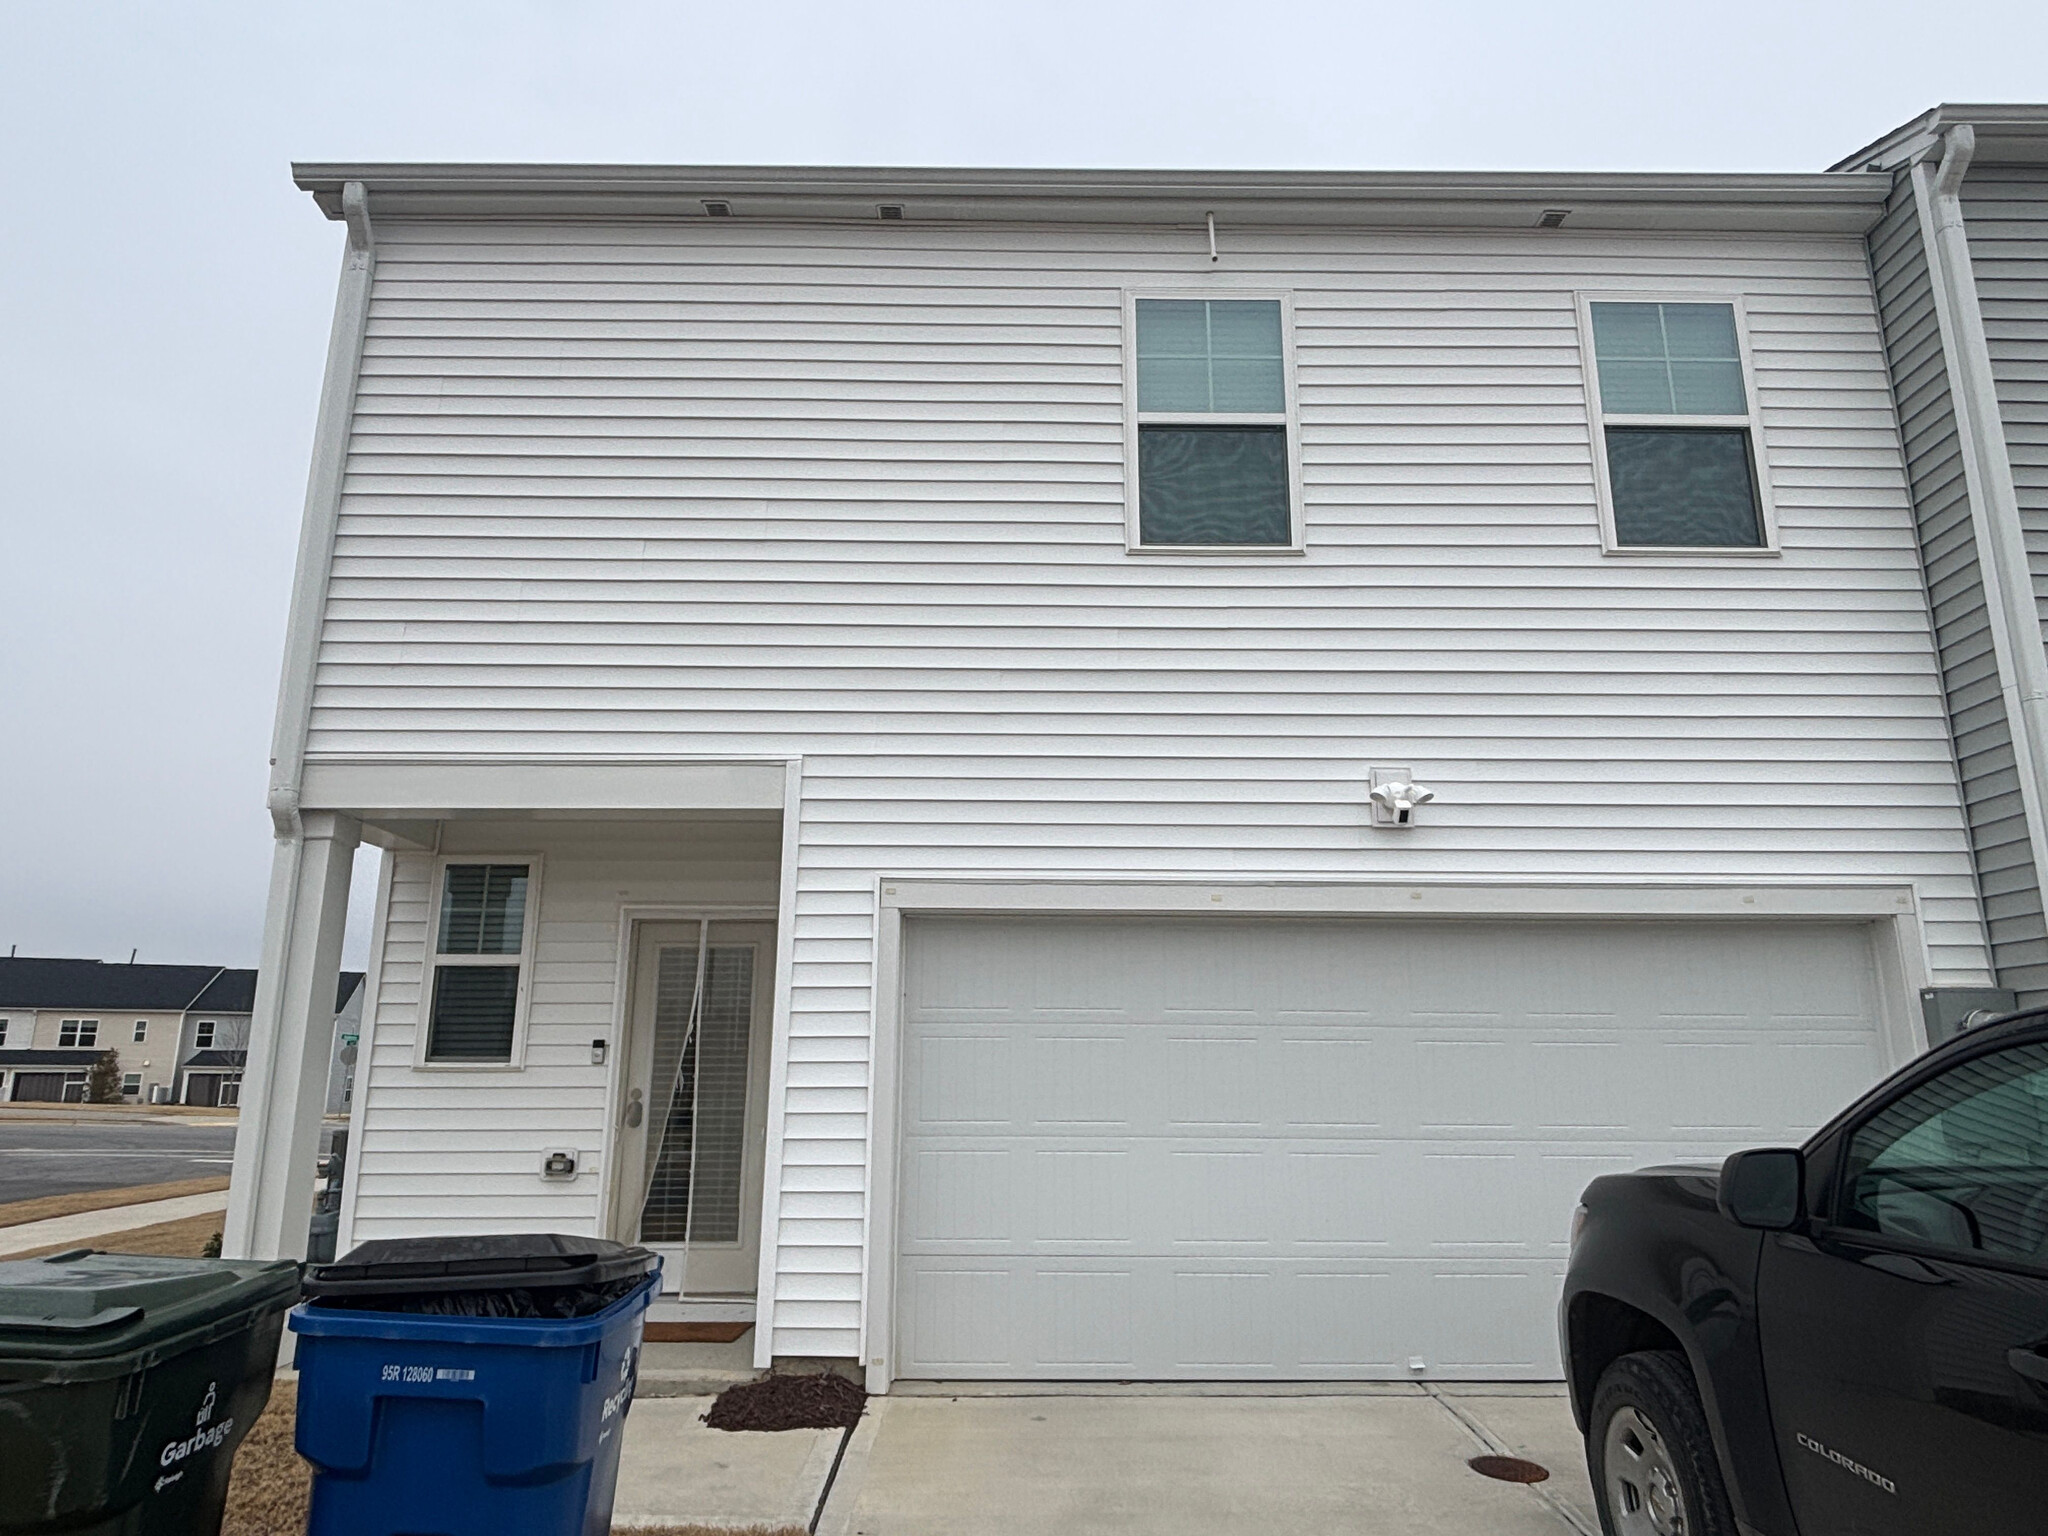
[1651,1454]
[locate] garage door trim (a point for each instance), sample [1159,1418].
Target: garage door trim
[1899,949]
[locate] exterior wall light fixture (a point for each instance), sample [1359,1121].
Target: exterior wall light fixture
[1396,797]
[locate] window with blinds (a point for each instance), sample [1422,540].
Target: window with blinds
[479,952]
[1674,411]
[1213,423]
[697,1144]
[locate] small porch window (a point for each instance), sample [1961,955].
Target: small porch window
[478,969]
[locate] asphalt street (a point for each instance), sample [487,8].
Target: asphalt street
[63,1158]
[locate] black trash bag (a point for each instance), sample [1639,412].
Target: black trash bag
[551,1301]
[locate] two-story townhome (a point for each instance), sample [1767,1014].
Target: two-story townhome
[1099,774]
[181,1031]
[59,1016]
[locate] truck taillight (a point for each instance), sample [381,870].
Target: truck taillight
[1578,1226]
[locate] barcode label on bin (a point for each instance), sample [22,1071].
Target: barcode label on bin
[426,1373]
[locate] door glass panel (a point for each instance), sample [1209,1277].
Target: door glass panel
[697,1150]
[1961,1162]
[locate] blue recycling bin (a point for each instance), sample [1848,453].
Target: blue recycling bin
[436,1421]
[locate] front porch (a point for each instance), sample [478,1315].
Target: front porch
[570,1024]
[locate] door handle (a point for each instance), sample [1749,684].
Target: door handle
[634,1110]
[2029,1363]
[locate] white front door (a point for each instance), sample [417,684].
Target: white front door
[693,1112]
[1279,1148]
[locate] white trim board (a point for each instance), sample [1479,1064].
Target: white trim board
[437,787]
[1901,963]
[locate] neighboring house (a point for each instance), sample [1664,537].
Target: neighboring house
[871,686]
[60,1015]
[182,1031]
[348,1024]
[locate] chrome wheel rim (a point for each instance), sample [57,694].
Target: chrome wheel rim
[1643,1494]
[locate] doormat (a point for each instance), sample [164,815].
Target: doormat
[695,1333]
[823,1401]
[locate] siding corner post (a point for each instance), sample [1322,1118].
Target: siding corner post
[1987,473]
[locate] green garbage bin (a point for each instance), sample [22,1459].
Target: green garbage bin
[126,1383]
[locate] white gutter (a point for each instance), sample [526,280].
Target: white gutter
[2015,618]
[323,511]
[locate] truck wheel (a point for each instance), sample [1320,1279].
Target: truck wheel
[1651,1453]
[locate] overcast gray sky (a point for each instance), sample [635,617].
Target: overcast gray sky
[165,292]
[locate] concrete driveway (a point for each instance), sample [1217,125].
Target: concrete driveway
[1150,1461]
[1188,1464]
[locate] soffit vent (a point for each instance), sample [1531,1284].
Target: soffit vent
[717,208]
[889,210]
[1552,217]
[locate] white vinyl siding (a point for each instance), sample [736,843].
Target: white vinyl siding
[2008,881]
[2006,213]
[859,495]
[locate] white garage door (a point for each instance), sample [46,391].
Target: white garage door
[1307,1149]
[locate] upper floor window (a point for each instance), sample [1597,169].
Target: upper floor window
[1211,437]
[76,1034]
[1678,448]
[141,1030]
[478,987]
[3,1033]
[202,1034]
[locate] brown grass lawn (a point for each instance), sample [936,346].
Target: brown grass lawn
[268,1494]
[182,1239]
[15,1212]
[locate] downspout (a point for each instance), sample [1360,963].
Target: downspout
[2015,617]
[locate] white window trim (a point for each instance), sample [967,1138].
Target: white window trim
[141,1032]
[213,1028]
[434,960]
[1752,420]
[1289,418]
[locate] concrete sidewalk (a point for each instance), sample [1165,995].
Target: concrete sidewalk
[1388,1460]
[80,1231]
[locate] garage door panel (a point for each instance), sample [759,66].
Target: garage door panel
[1083,1320]
[1085,1198]
[1213,1080]
[958,1195]
[1321,1149]
[1081,1080]
[961,1080]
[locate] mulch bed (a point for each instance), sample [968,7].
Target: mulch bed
[824,1401]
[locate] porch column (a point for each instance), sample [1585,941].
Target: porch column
[291,1035]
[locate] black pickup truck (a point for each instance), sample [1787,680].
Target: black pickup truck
[1851,1336]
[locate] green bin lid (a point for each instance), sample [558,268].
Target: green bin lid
[84,1314]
